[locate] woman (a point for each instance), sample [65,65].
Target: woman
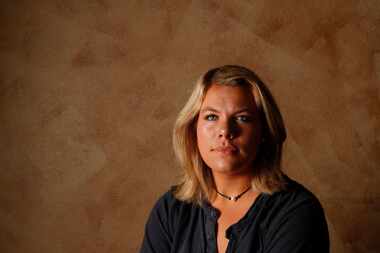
[234,196]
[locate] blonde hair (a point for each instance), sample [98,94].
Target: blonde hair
[197,183]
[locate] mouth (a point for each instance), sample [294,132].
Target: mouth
[230,149]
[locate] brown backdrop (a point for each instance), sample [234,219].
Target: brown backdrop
[89,91]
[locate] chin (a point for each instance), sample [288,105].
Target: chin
[226,168]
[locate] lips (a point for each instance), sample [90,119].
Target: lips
[225,149]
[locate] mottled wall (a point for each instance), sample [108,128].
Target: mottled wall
[89,91]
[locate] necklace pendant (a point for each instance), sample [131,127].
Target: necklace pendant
[233,198]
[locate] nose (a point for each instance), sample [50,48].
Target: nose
[225,134]
[226,131]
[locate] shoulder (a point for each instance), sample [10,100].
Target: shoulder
[295,201]
[161,225]
[167,210]
[295,215]
[168,203]
[294,196]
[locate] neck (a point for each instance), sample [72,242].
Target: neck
[232,184]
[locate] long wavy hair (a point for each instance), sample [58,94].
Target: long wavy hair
[197,183]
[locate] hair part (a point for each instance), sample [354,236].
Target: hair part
[197,183]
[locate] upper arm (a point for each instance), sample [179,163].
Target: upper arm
[157,237]
[300,230]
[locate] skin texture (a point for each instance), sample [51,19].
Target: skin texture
[228,136]
[228,129]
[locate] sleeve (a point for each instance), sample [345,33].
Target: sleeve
[157,237]
[303,229]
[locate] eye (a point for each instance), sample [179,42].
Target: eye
[244,118]
[211,117]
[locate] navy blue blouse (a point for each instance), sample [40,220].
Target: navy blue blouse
[289,221]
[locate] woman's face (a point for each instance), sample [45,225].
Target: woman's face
[228,129]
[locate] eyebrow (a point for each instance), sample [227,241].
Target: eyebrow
[210,109]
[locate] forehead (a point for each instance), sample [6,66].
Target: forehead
[234,97]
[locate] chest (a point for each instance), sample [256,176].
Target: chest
[226,220]
[204,231]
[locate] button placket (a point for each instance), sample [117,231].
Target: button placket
[210,233]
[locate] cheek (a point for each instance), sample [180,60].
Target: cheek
[204,136]
[250,139]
